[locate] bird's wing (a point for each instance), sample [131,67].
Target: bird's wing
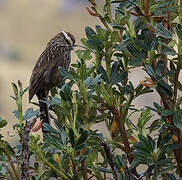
[41,69]
[37,75]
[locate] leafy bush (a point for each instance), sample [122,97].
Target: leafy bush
[142,33]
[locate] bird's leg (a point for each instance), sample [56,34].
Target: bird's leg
[44,110]
[36,128]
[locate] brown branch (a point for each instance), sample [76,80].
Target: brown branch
[105,23]
[12,166]
[25,148]
[146,7]
[124,137]
[84,170]
[121,127]
[96,13]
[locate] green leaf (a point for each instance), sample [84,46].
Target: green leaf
[15,112]
[140,44]
[88,81]
[162,30]
[168,112]
[65,73]
[171,176]
[177,121]
[90,33]
[146,143]
[105,170]
[82,138]
[26,89]
[79,54]
[101,70]
[104,93]
[134,51]
[157,106]
[96,80]
[51,129]
[86,55]
[148,68]
[160,10]
[118,26]
[123,45]
[143,90]
[65,93]
[154,43]
[168,50]
[135,163]
[144,118]
[80,147]
[135,62]
[53,140]
[163,4]
[160,67]
[103,34]
[151,143]
[172,66]
[3,122]
[15,89]
[114,36]
[121,76]
[30,113]
[119,161]
[75,75]
[114,71]
[8,149]
[96,44]
[163,140]
[83,71]
[170,147]
[165,88]
[72,137]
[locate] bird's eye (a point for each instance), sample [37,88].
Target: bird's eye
[68,38]
[68,41]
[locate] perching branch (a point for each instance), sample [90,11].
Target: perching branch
[25,148]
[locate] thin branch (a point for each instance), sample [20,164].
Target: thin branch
[12,166]
[84,170]
[9,171]
[96,13]
[25,148]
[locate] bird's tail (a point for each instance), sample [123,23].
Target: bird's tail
[44,109]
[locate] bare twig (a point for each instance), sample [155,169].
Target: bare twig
[12,166]
[25,148]
[9,171]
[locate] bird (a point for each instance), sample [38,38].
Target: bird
[45,74]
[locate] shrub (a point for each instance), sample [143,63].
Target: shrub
[142,33]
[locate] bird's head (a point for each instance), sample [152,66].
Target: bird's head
[64,39]
[69,38]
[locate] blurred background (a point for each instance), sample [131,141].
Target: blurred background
[26,27]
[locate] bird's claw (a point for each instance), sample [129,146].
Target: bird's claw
[37,127]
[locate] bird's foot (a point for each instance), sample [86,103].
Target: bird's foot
[37,127]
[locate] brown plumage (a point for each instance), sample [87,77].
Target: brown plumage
[45,74]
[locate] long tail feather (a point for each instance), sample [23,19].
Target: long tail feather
[44,110]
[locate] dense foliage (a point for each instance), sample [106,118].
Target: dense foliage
[143,34]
